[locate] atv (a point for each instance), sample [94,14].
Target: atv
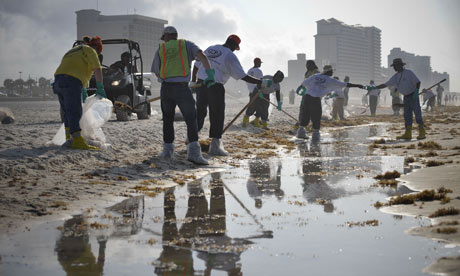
[126,89]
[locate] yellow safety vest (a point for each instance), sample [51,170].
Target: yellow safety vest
[174,59]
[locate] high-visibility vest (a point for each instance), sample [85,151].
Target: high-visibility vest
[174,59]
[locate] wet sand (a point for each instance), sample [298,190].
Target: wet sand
[43,182]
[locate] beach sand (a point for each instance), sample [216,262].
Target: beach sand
[39,182]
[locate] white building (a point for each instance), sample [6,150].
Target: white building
[352,50]
[142,29]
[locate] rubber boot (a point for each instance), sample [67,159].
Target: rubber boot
[216,148]
[264,124]
[245,121]
[301,133]
[79,143]
[316,135]
[407,135]
[67,133]
[421,133]
[194,154]
[168,150]
[256,122]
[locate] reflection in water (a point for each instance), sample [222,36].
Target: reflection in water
[74,249]
[203,230]
[373,130]
[314,186]
[264,179]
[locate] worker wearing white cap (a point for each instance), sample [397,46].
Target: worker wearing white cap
[171,65]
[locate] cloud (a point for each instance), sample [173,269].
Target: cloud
[34,34]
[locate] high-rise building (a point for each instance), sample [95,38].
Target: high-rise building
[144,30]
[352,50]
[420,65]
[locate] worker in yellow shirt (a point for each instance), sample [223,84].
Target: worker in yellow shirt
[70,80]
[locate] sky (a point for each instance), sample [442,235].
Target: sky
[34,34]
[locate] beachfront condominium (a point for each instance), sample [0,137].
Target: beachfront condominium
[352,50]
[145,30]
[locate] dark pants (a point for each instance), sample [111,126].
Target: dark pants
[439,96]
[178,94]
[68,90]
[430,103]
[311,110]
[412,105]
[259,107]
[373,104]
[214,98]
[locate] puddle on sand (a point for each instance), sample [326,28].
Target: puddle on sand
[283,216]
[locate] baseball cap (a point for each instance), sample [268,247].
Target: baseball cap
[236,39]
[168,30]
[257,60]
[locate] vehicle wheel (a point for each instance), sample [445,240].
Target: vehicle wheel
[122,114]
[145,113]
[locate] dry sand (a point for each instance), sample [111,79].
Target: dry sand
[40,182]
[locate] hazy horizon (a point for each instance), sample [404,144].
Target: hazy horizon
[34,34]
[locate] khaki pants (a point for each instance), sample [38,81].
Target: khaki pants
[337,108]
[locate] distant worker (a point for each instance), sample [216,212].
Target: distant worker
[70,80]
[255,72]
[262,103]
[313,88]
[439,91]
[292,96]
[407,83]
[171,64]
[346,90]
[373,99]
[429,98]
[395,101]
[124,65]
[337,107]
[311,70]
[226,65]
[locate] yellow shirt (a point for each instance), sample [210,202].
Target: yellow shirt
[79,62]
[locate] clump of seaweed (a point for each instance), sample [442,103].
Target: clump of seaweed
[434,163]
[388,175]
[425,195]
[429,145]
[411,146]
[409,160]
[446,230]
[372,222]
[451,211]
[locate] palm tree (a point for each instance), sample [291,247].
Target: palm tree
[19,86]
[9,85]
[30,82]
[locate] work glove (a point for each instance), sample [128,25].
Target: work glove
[84,94]
[369,87]
[280,104]
[415,94]
[100,90]
[266,83]
[261,95]
[192,86]
[209,81]
[301,90]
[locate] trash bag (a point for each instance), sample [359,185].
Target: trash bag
[96,112]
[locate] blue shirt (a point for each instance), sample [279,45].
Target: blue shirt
[405,81]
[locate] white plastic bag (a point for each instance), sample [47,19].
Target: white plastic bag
[96,112]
